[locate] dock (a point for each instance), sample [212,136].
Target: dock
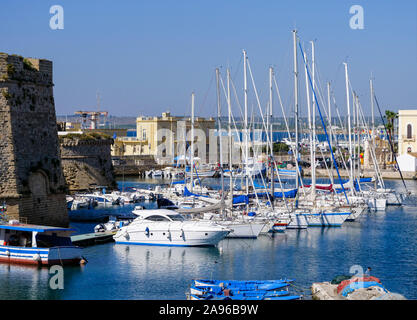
[89,239]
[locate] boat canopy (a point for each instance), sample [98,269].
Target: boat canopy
[179,182]
[33,228]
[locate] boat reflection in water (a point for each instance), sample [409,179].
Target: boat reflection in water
[161,262]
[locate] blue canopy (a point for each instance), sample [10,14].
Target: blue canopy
[179,182]
[288,194]
[257,185]
[241,199]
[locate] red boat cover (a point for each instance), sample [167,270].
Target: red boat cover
[328,188]
[344,283]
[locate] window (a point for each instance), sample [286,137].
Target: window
[143,134]
[176,217]
[157,218]
[409,131]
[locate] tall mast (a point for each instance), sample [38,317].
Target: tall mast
[309,117]
[245,90]
[330,126]
[229,107]
[354,134]
[296,104]
[271,156]
[371,84]
[358,160]
[219,134]
[349,128]
[313,115]
[192,142]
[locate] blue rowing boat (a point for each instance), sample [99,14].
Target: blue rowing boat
[200,290]
[206,282]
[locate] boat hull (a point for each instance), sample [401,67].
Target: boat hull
[146,234]
[297,221]
[41,256]
[327,219]
[244,229]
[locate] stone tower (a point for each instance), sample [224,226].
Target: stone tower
[31,179]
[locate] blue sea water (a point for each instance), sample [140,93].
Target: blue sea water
[385,241]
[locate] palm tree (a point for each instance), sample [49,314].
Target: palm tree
[390,116]
[390,126]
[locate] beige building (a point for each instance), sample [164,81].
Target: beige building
[407,128]
[163,138]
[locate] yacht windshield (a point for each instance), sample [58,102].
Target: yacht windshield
[176,217]
[156,218]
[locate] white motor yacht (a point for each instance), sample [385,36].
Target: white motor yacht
[167,228]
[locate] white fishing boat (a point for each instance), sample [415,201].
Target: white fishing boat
[38,245]
[168,228]
[81,203]
[101,199]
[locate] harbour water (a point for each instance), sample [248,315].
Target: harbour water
[385,241]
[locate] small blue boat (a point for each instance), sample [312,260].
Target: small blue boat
[207,282]
[238,289]
[205,289]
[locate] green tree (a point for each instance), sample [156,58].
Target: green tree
[390,126]
[390,116]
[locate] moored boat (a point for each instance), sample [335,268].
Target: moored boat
[168,228]
[37,245]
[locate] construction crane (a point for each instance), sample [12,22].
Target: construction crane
[93,116]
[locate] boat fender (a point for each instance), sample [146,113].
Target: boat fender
[83,261]
[7,253]
[147,231]
[36,257]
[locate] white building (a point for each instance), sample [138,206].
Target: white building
[407,162]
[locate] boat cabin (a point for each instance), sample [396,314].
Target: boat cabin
[160,215]
[33,236]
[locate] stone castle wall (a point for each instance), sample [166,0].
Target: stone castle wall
[87,163]
[31,177]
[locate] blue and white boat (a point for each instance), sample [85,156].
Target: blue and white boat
[234,283]
[241,290]
[37,245]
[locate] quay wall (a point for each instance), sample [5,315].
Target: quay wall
[386,174]
[87,163]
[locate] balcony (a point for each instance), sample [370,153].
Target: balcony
[406,139]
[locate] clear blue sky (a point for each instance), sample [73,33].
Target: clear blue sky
[145,57]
